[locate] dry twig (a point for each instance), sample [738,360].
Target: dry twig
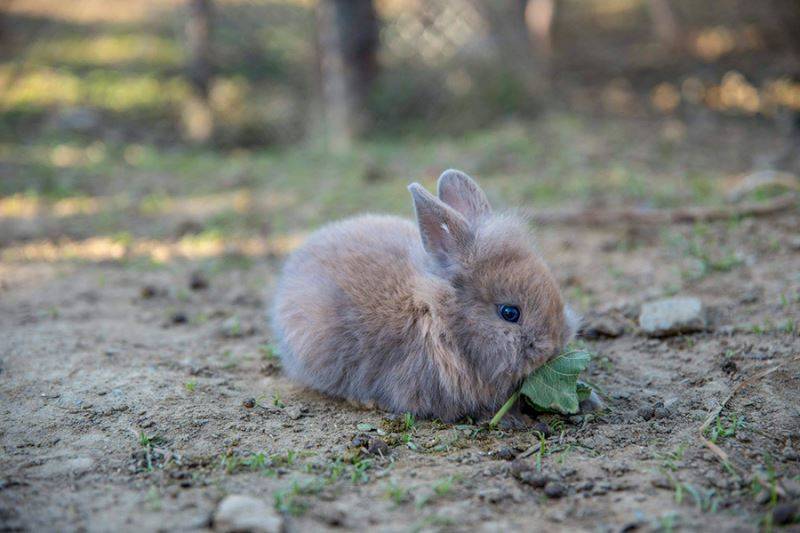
[719,452]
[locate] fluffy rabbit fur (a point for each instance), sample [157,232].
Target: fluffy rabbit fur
[381,311]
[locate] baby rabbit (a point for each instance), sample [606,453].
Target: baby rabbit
[442,319]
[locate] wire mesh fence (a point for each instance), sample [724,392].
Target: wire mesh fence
[275,73]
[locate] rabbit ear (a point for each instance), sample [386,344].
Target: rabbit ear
[445,233]
[460,192]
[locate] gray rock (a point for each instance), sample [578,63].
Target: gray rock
[554,490]
[792,487]
[296,412]
[672,316]
[378,447]
[785,513]
[592,404]
[493,495]
[232,328]
[238,513]
[534,479]
[600,326]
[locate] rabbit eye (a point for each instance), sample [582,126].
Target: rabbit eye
[509,313]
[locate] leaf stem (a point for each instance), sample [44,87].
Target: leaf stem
[503,410]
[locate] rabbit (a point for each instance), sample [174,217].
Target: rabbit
[443,318]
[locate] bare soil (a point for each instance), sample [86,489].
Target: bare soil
[127,403]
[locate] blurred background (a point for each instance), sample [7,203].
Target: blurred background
[154,129]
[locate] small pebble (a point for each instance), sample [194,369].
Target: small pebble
[505,453]
[672,316]
[554,490]
[792,487]
[785,513]
[646,412]
[661,482]
[519,466]
[790,454]
[150,291]
[360,441]
[661,412]
[246,513]
[249,403]
[295,412]
[378,447]
[543,428]
[534,479]
[198,281]
[179,317]
[598,327]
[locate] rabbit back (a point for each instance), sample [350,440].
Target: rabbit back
[344,311]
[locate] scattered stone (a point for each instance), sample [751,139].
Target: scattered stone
[198,281]
[493,495]
[672,316]
[179,317]
[659,411]
[535,479]
[601,326]
[519,466]
[296,412]
[785,513]
[249,403]
[592,404]
[543,428]
[378,447]
[646,412]
[661,482]
[238,513]
[232,328]
[247,299]
[750,296]
[792,487]
[505,454]
[763,497]
[149,292]
[729,366]
[790,454]
[334,516]
[554,490]
[633,525]
[270,368]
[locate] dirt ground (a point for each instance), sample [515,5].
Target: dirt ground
[127,403]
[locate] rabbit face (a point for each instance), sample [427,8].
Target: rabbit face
[506,314]
[510,317]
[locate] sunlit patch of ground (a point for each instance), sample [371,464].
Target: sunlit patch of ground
[98,249]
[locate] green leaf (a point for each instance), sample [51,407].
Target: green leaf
[554,385]
[365,427]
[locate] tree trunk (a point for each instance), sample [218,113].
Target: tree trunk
[539,16]
[198,117]
[348,44]
[665,23]
[786,20]
[517,42]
